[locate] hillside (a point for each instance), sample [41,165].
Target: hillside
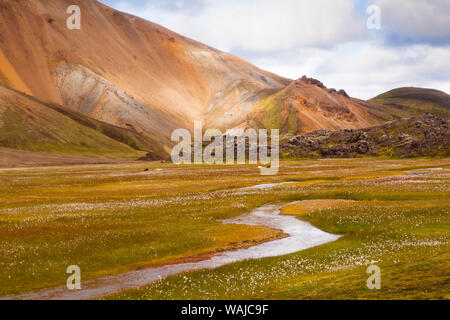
[120,71]
[421,136]
[30,125]
[307,105]
[135,74]
[408,102]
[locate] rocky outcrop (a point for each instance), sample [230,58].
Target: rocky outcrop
[150,157]
[426,135]
[312,81]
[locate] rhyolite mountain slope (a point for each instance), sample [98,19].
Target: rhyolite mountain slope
[122,69]
[136,74]
[29,124]
[131,73]
[306,105]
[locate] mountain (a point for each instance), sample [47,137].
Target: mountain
[420,136]
[135,74]
[28,124]
[122,69]
[306,105]
[408,102]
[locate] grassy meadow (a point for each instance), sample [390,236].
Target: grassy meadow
[110,219]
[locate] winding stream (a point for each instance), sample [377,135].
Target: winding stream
[301,236]
[268,185]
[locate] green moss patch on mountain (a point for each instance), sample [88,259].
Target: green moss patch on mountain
[26,124]
[408,102]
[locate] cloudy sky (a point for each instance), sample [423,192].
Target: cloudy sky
[325,39]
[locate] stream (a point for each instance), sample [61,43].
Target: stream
[301,236]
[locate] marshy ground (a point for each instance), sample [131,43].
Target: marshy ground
[110,219]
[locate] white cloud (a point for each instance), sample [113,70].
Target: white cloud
[262,25]
[418,20]
[366,70]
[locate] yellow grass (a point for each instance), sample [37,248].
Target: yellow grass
[308,206]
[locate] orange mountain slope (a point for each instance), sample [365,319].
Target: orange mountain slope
[307,105]
[135,74]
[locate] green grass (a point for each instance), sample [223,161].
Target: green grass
[272,114]
[126,136]
[48,131]
[29,124]
[115,218]
[408,239]
[408,102]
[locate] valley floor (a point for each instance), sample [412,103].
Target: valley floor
[113,218]
[10,158]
